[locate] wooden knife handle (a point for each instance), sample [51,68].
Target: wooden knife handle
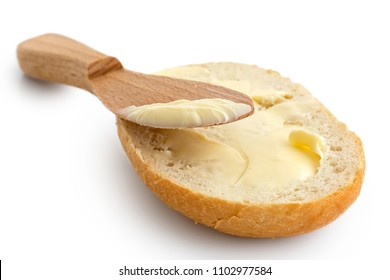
[59,59]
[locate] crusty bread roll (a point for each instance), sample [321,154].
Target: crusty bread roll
[288,169]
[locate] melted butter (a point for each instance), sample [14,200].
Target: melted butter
[186,113]
[265,151]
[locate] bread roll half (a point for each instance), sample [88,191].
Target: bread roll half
[288,169]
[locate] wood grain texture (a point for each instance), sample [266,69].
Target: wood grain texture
[59,59]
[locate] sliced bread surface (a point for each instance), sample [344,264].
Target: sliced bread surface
[288,169]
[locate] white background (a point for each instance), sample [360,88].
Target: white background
[69,198]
